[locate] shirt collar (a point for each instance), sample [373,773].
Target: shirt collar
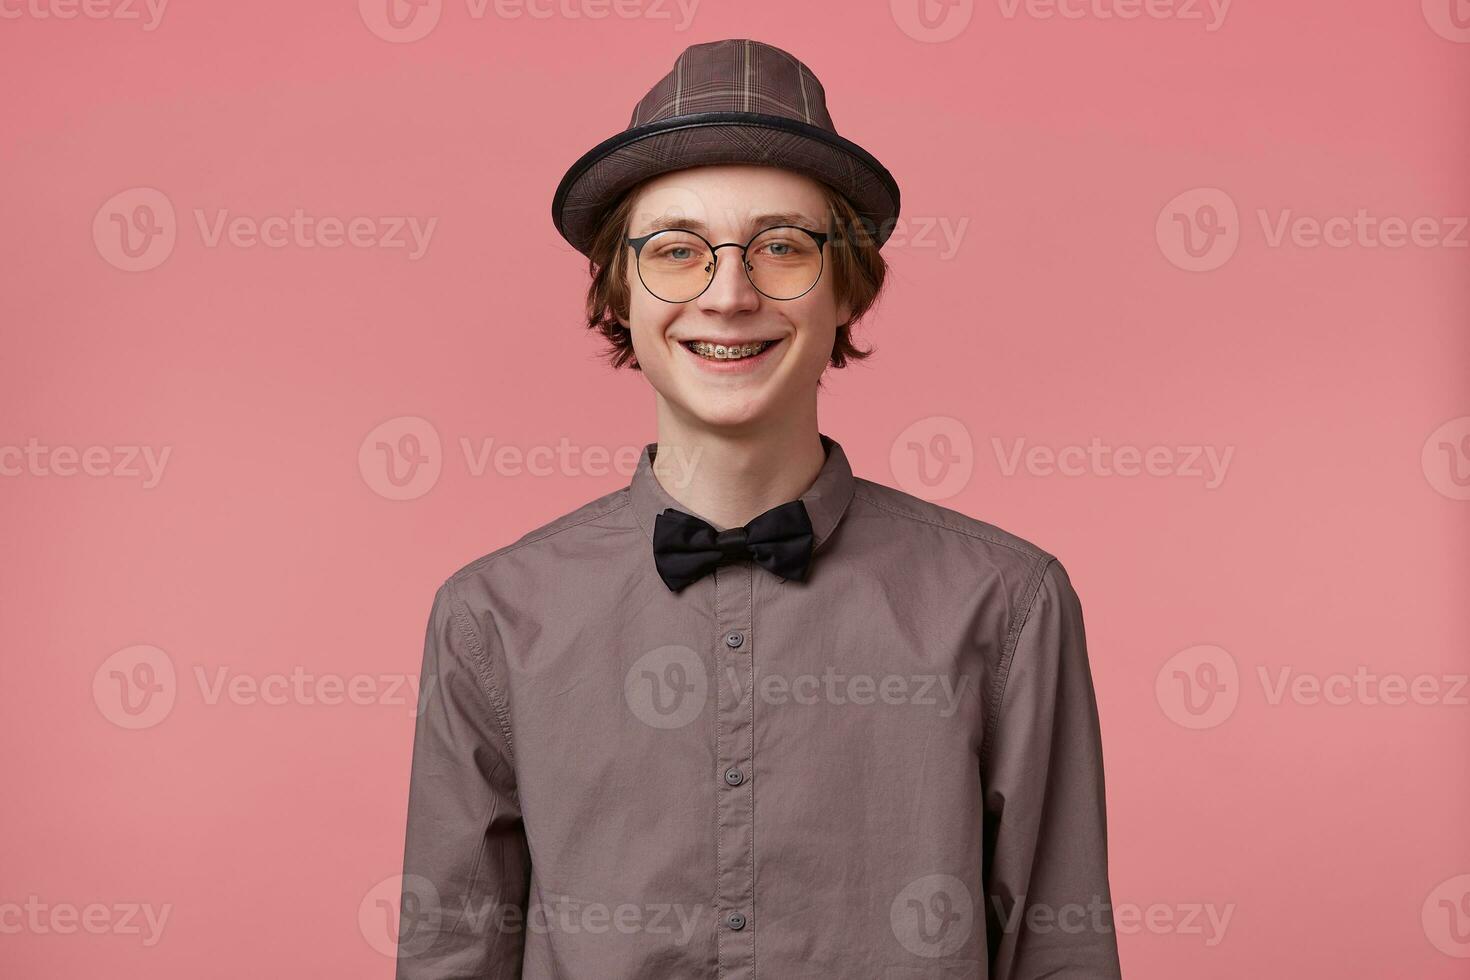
[826,499]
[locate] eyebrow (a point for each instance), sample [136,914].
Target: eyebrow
[758,221]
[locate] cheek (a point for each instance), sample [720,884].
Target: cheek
[818,328]
[648,327]
[817,350]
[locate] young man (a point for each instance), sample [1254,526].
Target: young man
[751,715]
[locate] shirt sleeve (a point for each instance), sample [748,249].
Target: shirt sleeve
[1048,904]
[466,865]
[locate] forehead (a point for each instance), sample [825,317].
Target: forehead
[728,200]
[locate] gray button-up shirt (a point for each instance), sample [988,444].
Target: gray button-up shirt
[892,769]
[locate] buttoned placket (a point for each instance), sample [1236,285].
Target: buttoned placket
[734,662]
[732,649]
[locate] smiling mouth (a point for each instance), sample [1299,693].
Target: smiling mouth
[724,352]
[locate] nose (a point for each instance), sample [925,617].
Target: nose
[731,290]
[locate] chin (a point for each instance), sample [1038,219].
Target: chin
[732,413]
[729,419]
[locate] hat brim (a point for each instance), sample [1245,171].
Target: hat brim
[596,180]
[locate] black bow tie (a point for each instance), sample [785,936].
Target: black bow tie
[686,548]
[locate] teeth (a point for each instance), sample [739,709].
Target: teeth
[720,352]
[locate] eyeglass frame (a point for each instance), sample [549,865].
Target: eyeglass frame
[820,237]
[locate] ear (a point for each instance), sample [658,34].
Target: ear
[844,313]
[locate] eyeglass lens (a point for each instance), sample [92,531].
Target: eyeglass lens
[783,263]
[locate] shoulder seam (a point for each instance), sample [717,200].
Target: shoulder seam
[517,545]
[1007,655]
[1034,552]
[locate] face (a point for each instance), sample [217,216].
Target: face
[728,204]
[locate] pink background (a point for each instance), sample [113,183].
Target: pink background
[1333,835]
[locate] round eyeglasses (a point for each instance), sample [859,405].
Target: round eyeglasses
[782,262]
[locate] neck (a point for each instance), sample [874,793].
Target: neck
[729,476]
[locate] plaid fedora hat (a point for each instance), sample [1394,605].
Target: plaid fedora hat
[733,101]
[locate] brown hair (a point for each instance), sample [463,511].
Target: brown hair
[857,269]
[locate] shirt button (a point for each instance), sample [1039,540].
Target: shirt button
[735,921]
[734,776]
[734,638]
